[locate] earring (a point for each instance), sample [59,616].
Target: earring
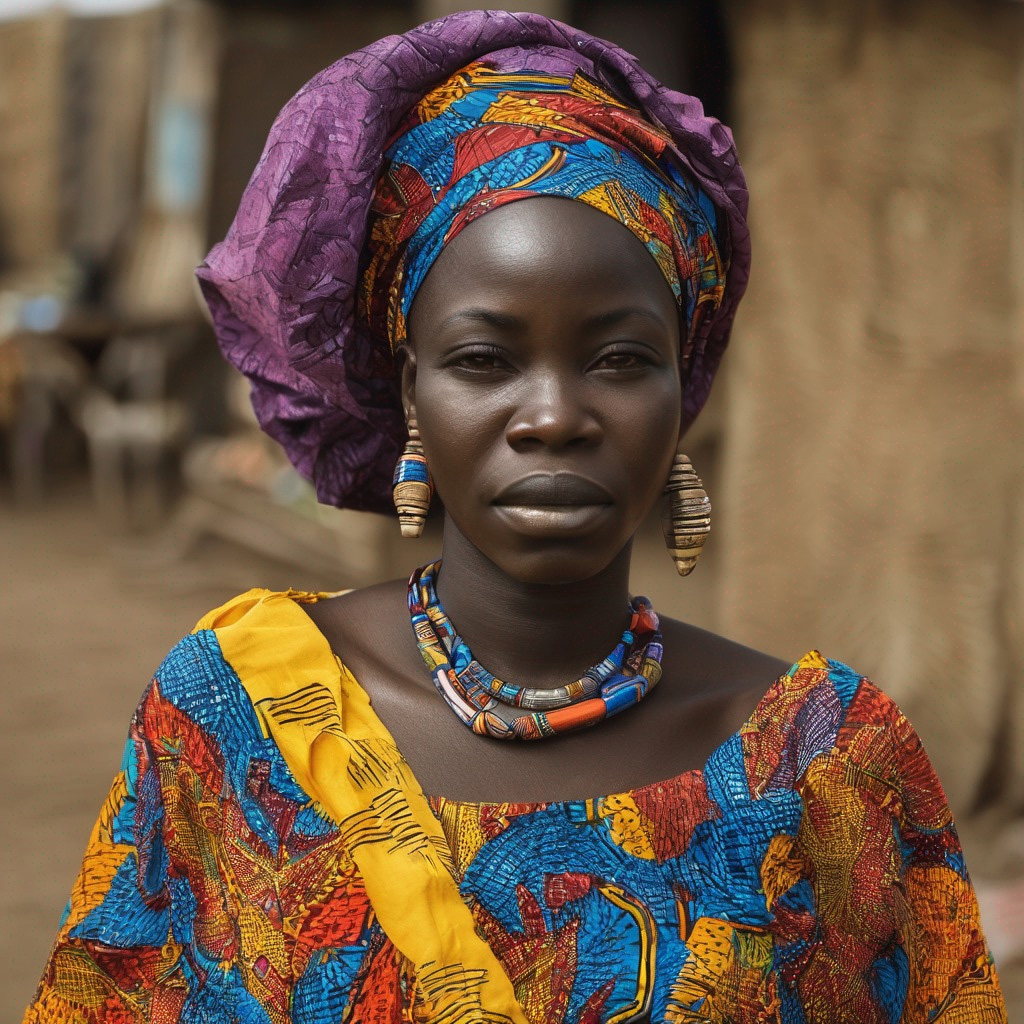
[412,487]
[688,520]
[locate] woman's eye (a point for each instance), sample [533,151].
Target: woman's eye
[478,359]
[622,361]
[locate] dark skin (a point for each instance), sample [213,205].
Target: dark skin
[544,340]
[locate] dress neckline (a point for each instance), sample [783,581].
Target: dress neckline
[683,778]
[812,659]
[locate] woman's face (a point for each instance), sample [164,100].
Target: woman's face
[544,377]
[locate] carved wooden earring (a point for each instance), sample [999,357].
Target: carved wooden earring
[688,519]
[412,487]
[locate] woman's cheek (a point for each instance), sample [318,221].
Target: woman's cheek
[460,429]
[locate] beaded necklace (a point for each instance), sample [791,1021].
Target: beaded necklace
[483,702]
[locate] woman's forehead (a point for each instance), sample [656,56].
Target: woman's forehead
[545,246]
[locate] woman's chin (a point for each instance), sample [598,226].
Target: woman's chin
[561,548]
[554,564]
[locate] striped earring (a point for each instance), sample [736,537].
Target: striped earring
[688,519]
[412,487]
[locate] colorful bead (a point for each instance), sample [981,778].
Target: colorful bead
[621,680]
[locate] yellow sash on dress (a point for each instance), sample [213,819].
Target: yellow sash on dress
[344,758]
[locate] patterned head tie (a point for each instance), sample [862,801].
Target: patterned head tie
[485,138]
[382,158]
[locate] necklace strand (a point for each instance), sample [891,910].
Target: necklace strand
[483,702]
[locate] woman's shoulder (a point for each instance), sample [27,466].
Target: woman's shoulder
[816,689]
[701,665]
[248,619]
[793,693]
[258,605]
[265,640]
[812,703]
[239,652]
[266,650]
[822,719]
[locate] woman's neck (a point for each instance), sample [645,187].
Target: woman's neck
[532,634]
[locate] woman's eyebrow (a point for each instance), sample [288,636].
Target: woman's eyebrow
[504,321]
[614,316]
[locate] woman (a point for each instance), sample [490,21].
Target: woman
[496,241]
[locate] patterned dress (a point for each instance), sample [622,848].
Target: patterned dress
[810,872]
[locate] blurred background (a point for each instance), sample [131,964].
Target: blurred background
[864,449]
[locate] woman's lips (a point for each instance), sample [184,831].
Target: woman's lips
[546,490]
[547,519]
[544,503]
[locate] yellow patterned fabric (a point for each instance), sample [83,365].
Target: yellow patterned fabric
[346,761]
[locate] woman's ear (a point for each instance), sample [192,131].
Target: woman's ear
[406,359]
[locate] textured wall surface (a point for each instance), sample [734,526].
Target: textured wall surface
[31,55]
[874,438]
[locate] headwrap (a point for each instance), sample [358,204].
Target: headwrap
[303,287]
[483,138]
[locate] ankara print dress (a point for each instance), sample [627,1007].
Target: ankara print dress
[266,855]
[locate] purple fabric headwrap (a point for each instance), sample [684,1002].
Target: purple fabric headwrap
[283,285]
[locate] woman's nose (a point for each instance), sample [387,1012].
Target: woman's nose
[552,414]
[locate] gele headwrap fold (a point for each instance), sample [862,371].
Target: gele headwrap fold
[287,286]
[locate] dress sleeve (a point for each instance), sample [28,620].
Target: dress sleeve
[948,973]
[954,969]
[212,888]
[114,952]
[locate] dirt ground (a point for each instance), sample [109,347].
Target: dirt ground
[85,617]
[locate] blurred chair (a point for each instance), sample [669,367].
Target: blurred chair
[41,376]
[133,427]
